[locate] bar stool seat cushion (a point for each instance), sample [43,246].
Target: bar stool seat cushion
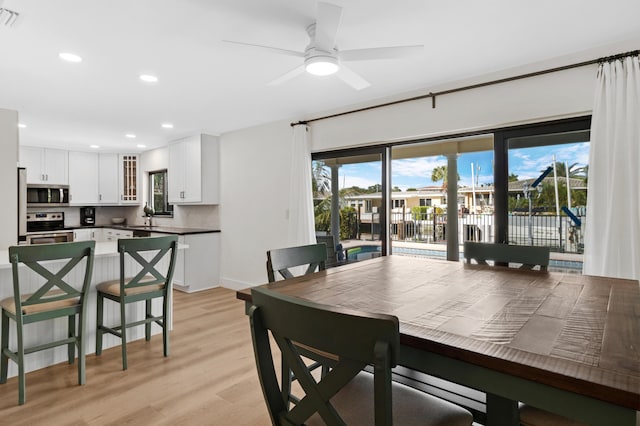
[113,286]
[9,304]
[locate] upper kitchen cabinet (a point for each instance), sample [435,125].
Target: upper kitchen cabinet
[45,165]
[129,179]
[108,182]
[83,178]
[103,179]
[194,170]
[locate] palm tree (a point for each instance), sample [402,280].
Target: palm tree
[439,173]
[320,180]
[574,171]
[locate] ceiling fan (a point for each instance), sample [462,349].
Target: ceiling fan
[322,57]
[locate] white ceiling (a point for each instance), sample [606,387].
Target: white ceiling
[211,86]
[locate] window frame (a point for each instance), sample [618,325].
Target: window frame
[168,207]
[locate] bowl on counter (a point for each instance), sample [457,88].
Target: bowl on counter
[117,220]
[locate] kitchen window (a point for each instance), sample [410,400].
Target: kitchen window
[158,199]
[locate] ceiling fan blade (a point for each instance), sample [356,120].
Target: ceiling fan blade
[351,78]
[273,49]
[393,52]
[327,22]
[287,76]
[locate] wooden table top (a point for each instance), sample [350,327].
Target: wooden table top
[574,332]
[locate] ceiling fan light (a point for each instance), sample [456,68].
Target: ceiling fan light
[321,65]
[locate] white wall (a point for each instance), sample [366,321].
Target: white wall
[9,177]
[255,171]
[254,193]
[556,95]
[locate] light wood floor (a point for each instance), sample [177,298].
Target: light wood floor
[208,379]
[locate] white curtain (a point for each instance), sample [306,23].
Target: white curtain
[612,234]
[301,220]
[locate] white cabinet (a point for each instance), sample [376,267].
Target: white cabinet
[102,179]
[197,267]
[108,188]
[84,234]
[193,172]
[83,178]
[45,165]
[128,178]
[114,234]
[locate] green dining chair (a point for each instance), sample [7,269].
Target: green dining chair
[346,394]
[529,257]
[57,292]
[502,254]
[281,261]
[150,281]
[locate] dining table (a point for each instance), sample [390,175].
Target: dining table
[563,342]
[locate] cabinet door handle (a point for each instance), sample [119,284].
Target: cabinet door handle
[100,197]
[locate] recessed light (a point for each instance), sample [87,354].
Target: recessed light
[94,146]
[130,136]
[148,78]
[141,145]
[167,125]
[22,126]
[70,57]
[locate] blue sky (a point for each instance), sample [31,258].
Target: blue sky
[416,172]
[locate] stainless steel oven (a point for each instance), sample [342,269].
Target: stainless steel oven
[46,228]
[50,237]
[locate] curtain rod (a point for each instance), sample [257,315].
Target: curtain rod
[433,95]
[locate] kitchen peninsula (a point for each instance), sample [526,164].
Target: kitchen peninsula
[196,268]
[194,271]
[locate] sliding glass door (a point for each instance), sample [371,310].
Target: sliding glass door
[442,195]
[523,185]
[350,199]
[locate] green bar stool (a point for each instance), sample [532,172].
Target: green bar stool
[147,284]
[53,298]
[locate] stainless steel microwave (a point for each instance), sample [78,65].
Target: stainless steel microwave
[42,195]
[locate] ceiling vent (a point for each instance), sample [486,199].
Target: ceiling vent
[8,17]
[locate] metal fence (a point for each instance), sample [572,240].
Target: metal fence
[557,232]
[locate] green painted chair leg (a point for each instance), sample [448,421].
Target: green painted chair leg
[99,307]
[21,373]
[71,347]
[82,362]
[123,332]
[147,325]
[165,325]
[4,359]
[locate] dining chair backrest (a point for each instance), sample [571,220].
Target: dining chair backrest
[53,296]
[149,272]
[281,260]
[358,339]
[330,242]
[528,256]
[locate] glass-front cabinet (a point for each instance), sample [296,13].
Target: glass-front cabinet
[129,183]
